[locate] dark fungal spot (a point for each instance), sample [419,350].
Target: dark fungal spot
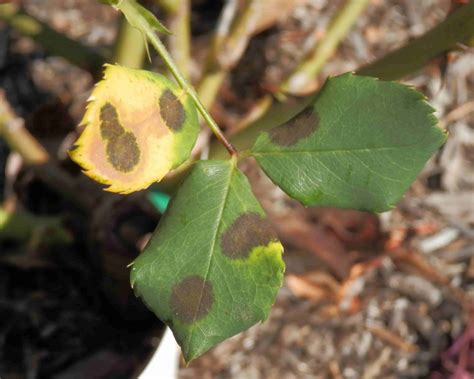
[246,232]
[109,123]
[123,152]
[122,149]
[299,127]
[191,299]
[172,111]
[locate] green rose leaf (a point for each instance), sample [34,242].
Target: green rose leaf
[213,266]
[360,145]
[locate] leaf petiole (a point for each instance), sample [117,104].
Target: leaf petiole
[161,50]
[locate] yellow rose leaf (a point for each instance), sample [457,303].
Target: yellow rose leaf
[137,127]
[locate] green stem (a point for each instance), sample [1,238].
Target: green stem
[307,71]
[230,40]
[210,84]
[16,136]
[180,39]
[19,139]
[22,226]
[130,48]
[170,6]
[161,49]
[458,27]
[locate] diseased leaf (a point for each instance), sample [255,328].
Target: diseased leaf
[359,145]
[138,126]
[214,265]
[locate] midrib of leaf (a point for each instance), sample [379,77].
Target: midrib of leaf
[335,121]
[354,150]
[211,256]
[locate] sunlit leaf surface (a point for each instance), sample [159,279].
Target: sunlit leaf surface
[214,264]
[359,145]
[137,127]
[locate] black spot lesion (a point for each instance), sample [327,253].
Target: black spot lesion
[172,111]
[191,299]
[247,232]
[122,149]
[301,126]
[109,123]
[123,152]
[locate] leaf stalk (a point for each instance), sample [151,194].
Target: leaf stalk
[163,52]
